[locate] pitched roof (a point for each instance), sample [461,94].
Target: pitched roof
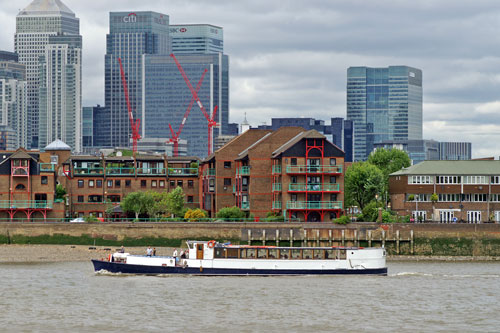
[311,134]
[470,167]
[46,7]
[57,145]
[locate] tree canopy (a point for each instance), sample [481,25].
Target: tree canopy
[363,181]
[389,161]
[137,203]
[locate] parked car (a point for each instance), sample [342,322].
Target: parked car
[78,220]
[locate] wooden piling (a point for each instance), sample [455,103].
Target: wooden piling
[383,238]
[249,237]
[264,237]
[330,242]
[356,240]
[291,237]
[317,238]
[277,237]
[411,242]
[343,237]
[397,241]
[369,238]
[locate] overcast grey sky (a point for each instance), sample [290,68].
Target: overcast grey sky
[289,58]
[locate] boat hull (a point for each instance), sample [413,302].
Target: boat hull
[114,267]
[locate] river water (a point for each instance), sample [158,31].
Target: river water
[416,296]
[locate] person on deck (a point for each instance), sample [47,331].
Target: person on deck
[149,251]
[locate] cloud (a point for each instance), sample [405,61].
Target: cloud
[289,58]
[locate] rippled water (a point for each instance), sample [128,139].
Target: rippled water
[418,296]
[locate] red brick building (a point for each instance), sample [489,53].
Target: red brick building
[290,171]
[466,191]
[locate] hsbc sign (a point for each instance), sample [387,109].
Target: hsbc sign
[175,30]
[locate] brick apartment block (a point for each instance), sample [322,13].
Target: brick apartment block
[467,191]
[289,171]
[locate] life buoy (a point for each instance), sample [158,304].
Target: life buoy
[211,244]
[110,257]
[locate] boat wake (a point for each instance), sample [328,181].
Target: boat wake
[466,276]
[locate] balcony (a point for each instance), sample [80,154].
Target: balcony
[151,171]
[245,205]
[25,204]
[276,169]
[276,187]
[209,172]
[313,169]
[244,171]
[88,171]
[47,167]
[314,187]
[276,204]
[183,172]
[120,170]
[325,205]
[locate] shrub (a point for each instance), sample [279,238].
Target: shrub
[195,214]
[274,217]
[370,212]
[231,213]
[342,220]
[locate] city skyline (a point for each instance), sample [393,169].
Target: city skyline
[292,57]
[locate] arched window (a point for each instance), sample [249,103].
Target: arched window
[20,187]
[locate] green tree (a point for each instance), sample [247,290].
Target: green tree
[175,202]
[137,203]
[159,206]
[389,161]
[60,192]
[362,182]
[231,213]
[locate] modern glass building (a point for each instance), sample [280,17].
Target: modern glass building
[166,97]
[132,35]
[13,102]
[60,101]
[197,38]
[34,25]
[383,104]
[455,150]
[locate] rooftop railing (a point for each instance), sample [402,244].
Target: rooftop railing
[183,171]
[88,171]
[120,170]
[151,171]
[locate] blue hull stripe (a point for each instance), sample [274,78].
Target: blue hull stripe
[115,267]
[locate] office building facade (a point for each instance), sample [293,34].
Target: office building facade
[131,36]
[13,102]
[34,25]
[383,104]
[60,86]
[166,97]
[455,151]
[197,38]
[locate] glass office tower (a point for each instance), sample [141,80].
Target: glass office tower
[166,97]
[383,104]
[34,25]
[131,35]
[197,38]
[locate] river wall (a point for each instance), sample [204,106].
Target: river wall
[403,239]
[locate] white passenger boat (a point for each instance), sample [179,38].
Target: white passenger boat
[213,258]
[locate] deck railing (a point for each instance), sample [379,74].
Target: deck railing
[314,187]
[314,205]
[245,205]
[276,169]
[244,171]
[25,204]
[315,169]
[47,167]
[88,171]
[151,171]
[276,187]
[183,172]
[120,170]
[276,204]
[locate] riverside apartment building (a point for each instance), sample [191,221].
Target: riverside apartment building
[290,171]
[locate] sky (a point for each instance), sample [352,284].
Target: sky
[290,58]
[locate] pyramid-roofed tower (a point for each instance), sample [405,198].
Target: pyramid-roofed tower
[47,7]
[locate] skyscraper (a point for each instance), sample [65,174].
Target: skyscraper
[166,97]
[197,38]
[13,108]
[131,36]
[34,25]
[60,101]
[383,104]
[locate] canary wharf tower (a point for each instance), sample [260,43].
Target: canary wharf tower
[35,25]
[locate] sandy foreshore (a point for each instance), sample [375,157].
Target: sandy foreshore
[56,253]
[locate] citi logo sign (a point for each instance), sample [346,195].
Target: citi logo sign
[130,18]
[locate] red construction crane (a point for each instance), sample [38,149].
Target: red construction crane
[210,119]
[175,136]
[134,124]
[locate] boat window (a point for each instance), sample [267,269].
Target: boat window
[219,253]
[284,254]
[232,253]
[251,253]
[330,254]
[318,254]
[296,254]
[307,254]
[273,253]
[261,253]
[341,254]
